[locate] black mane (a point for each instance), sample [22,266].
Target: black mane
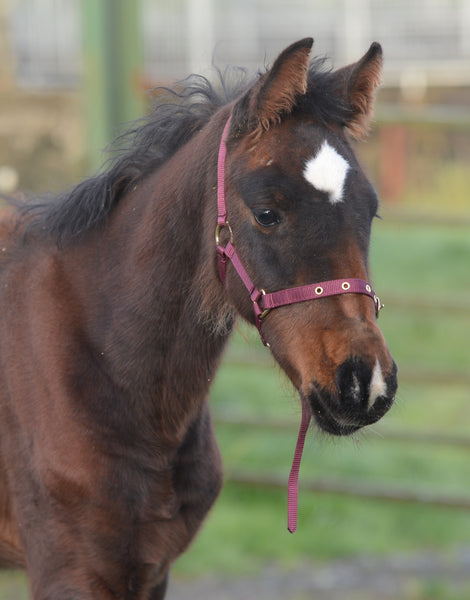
[176,116]
[178,113]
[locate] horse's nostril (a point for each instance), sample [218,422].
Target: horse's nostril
[360,386]
[353,381]
[363,395]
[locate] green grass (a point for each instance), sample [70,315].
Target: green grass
[407,261]
[429,260]
[13,585]
[433,263]
[247,528]
[254,520]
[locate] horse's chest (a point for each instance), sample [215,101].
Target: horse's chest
[179,499]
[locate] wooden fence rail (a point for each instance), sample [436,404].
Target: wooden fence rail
[358,489]
[256,359]
[428,304]
[384,433]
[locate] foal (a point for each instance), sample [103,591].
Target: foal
[117,304]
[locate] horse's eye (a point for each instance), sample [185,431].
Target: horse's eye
[266,217]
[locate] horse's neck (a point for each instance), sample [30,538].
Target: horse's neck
[165,315]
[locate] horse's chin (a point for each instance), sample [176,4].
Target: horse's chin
[329,419]
[333,426]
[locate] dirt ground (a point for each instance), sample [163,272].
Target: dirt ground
[422,576]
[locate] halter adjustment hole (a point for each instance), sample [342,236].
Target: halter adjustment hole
[319,290]
[368,288]
[346,285]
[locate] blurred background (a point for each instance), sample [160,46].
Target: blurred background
[382,515]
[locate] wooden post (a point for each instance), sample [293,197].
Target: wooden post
[112,52]
[7,79]
[393,144]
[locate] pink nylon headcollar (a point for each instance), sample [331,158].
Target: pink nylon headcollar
[264,302]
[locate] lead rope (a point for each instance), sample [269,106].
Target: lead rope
[263,303]
[293,485]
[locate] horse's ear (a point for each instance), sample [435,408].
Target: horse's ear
[357,84]
[276,92]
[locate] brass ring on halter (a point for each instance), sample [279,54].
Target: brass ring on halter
[266,310]
[219,228]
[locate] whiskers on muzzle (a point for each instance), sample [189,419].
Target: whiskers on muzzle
[363,394]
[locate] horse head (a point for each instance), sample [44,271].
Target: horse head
[299,211]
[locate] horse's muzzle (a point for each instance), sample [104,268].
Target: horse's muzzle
[363,395]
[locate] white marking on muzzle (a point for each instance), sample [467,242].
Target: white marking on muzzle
[327,172]
[378,386]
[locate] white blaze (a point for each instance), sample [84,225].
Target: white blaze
[378,386]
[327,172]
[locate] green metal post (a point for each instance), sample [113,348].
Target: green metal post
[112,51]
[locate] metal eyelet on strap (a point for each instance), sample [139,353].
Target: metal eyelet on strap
[346,285]
[319,290]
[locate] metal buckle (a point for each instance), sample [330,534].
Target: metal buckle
[378,305]
[266,310]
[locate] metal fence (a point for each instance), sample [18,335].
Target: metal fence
[426,42]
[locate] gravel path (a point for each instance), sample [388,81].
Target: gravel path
[396,578]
